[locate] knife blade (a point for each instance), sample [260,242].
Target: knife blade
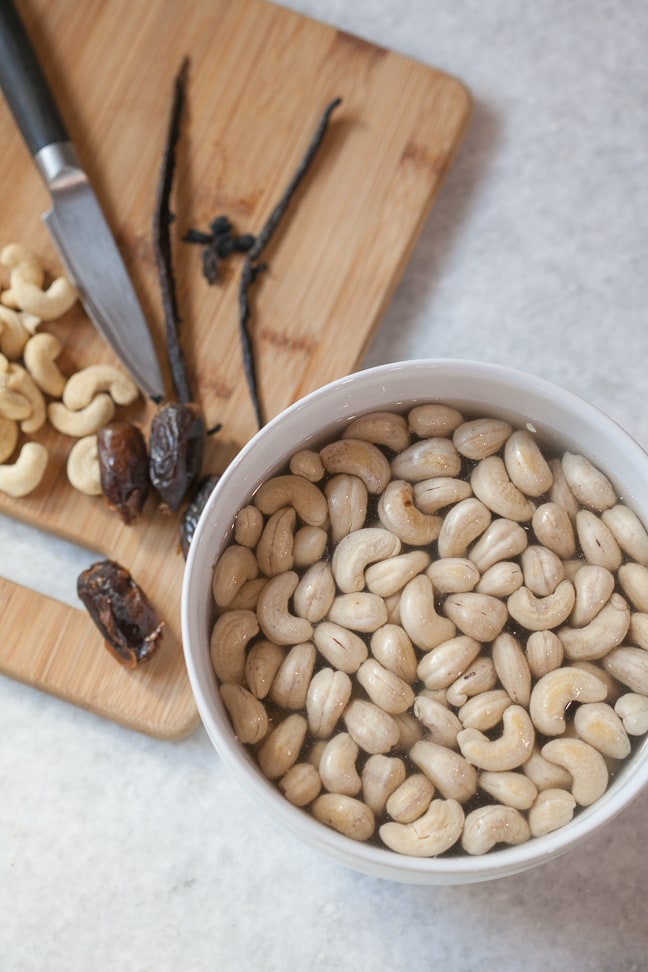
[76,221]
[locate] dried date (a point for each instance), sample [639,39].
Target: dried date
[124,469]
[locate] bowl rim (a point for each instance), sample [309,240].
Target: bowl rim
[196,591]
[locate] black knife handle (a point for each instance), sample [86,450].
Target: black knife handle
[25,86]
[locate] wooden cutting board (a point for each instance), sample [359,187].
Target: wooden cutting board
[260,77]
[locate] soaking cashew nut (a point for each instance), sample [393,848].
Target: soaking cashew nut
[82,466]
[26,473]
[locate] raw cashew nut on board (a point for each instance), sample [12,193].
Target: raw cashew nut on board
[411,643]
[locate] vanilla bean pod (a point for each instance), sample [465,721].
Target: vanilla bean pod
[252,268]
[177,437]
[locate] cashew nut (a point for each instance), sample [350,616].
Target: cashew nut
[82,466]
[418,615]
[560,492]
[40,354]
[48,304]
[308,464]
[380,777]
[426,459]
[293,677]
[86,421]
[628,665]
[274,551]
[440,721]
[234,567]
[384,688]
[593,586]
[542,613]
[358,611]
[479,677]
[342,648]
[552,694]
[599,725]
[552,809]
[382,428]
[398,513]
[391,646]
[509,787]
[585,764]
[480,438]
[25,474]
[315,592]
[301,784]
[544,652]
[544,774]
[485,710]
[509,751]
[512,668]
[282,747]
[82,387]
[374,730]
[411,799]
[632,709]
[462,524]
[229,638]
[553,529]
[525,464]
[346,814]
[588,484]
[357,458]
[494,824]
[478,615]
[440,667]
[628,531]
[326,699]
[452,775]
[13,333]
[248,714]
[276,621]
[21,382]
[431,834]
[309,544]
[453,575]
[502,540]
[501,579]
[248,526]
[261,665]
[604,632]
[543,570]
[347,504]
[337,765]
[432,495]
[491,484]
[8,437]
[355,551]
[305,497]
[388,576]
[432,419]
[634,581]
[597,541]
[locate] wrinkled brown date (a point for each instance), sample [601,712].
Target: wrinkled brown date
[121,611]
[176,446]
[123,467]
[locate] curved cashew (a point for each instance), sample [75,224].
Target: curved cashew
[384,688]
[440,667]
[480,438]
[229,638]
[25,474]
[83,466]
[426,459]
[282,747]
[388,576]
[432,495]
[391,646]
[632,709]
[354,457]
[599,725]
[628,665]
[418,615]
[453,575]
[512,668]
[544,652]
[308,464]
[346,814]
[553,529]
[274,551]
[398,513]
[478,678]
[502,540]
[337,765]
[440,721]
[234,567]
[411,799]
[301,784]
[542,613]
[309,544]
[8,437]
[527,467]
[374,730]
[13,333]
[452,775]
[509,787]
[501,579]
[511,750]
[552,809]
[21,382]
[585,764]
[604,632]
[593,586]
[462,524]
[359,611]
[380,777]
[433,419]
[382,428]
[248,526]
[494,824]
[478,615]
[48,304]
[588,484]
[82,387]
[491,484]
[597,541]
[262,663]
[485,710]
[40,354]
[87,420]
[305,497]
[544,774]
[358,549]
[15,255]
[543,570]
[315,592]
[634,581]
[343,649]
[346,497]
[628,531]
[248,715]
[277,623]
[431,834]
[293,676]
[326,699]
[552,694]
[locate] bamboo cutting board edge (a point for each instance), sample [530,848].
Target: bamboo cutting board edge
[402,124]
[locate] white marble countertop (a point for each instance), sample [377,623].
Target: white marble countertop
[118,851]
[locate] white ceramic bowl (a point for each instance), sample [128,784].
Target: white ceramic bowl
[557,415]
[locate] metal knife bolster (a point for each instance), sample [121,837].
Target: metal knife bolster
[59,165]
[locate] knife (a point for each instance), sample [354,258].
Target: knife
[76,222]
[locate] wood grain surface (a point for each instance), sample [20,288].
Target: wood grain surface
[259,79]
